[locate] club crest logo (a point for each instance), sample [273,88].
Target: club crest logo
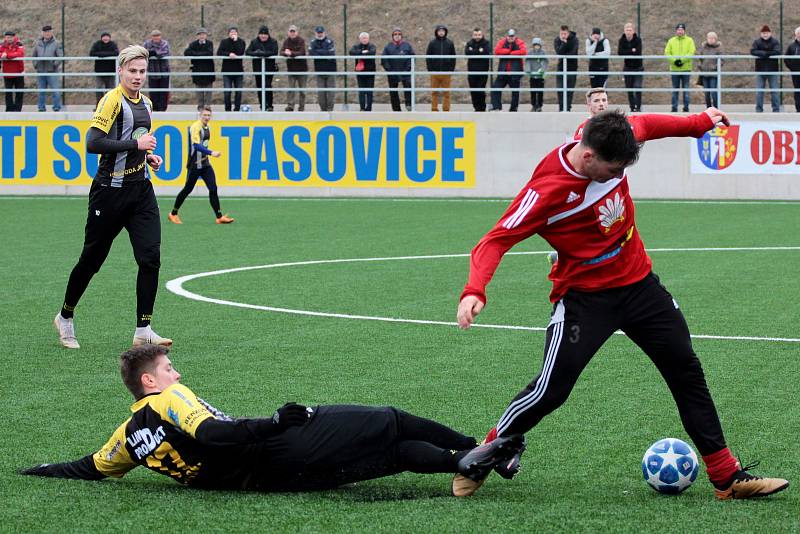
[611,212]
[717,148]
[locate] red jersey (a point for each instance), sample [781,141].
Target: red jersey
[590,224]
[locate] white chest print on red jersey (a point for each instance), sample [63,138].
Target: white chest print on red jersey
[572,197]
[611,213]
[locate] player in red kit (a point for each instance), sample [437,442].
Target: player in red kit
[578,201]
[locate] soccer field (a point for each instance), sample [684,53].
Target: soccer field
[732,266]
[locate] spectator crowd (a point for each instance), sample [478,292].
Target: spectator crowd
[515,60]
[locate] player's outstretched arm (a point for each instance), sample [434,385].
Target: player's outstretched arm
[83,469]
[242,431]
[651,126]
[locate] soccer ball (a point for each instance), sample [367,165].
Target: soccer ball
[670,466]
[245,107]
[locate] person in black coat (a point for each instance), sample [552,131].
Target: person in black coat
[630,45]
[477,48]
[794,65]
[263,49]
[203,69]
[232,49]
[106,66]
[764,48]
[440,45]
[365,53]
[566,44]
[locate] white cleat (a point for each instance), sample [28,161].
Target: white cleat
[66,332]
[146,335]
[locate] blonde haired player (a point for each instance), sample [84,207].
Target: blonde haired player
[121,196]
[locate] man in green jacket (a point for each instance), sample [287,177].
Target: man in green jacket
[678,48]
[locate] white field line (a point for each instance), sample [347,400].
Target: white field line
[176,287]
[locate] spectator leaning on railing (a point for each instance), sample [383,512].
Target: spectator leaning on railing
[536,67]
[263,49]
[475,48]
[158,70]
[203,75]
[105,66]
[630,45]
[294,46]
[232,49]
[11,50]
[440,45]
[793,64]
[511,69]
[364,53]
[678,48]
[764,48]
[398,47]
[566,44]
[322,45]
[598,49]
[708,67]
[47,46]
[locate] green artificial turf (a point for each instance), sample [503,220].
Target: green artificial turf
[582,468]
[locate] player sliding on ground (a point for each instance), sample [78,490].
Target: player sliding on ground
[578,201]
[121,196]
[199,167]
[174,433]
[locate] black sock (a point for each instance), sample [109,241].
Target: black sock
[423,457]
[174,211]
[219,214]
[418,428]
[67,311]
[146,289]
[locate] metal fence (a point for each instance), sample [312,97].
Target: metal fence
[77,77]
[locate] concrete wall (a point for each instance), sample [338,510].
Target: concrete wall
[509,145]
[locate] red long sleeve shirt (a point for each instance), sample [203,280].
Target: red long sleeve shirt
[590,224]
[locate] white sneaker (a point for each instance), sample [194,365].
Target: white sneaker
[66,332]
[146,335]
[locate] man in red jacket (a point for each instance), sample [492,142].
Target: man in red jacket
[10,51]
[578,201]
[510,45]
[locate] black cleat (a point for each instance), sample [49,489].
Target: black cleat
[479,462]
[508,468]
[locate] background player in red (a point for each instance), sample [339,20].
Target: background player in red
[578,201]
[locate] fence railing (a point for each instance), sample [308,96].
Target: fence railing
[653,81]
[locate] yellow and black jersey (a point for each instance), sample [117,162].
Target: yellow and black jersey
[122,118]
[174,433]
[160,435]
[199,135]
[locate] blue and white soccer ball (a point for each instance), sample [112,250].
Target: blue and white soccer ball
[670,466]
[245,107]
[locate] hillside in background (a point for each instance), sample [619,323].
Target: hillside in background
[737,24]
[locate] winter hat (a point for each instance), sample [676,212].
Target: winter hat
[201,30]
[47,28]
[263,30]
[10,32]
[104,34]
[596,30]
[511,32]
[319,29]
[536,41]
[680,26]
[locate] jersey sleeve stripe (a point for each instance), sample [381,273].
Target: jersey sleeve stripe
[524,208]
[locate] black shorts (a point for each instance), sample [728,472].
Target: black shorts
[339,445]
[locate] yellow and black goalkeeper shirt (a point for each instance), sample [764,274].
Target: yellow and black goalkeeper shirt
[122,119]
[199,135]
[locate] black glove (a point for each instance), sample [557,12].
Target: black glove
[291,414]
[679,63]
[37,470]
